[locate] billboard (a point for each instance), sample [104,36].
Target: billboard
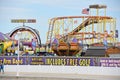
[63,61]
[109,62]
[66,61]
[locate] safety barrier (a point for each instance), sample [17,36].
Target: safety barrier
[61,61]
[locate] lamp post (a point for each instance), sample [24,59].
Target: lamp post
[19,33]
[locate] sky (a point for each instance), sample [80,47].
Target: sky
[43,10]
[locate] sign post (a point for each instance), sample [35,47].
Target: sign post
[19,33]
[23,21]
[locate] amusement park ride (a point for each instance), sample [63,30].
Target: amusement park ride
[26,35]
[73,35]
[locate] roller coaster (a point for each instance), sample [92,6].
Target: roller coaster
[68,35]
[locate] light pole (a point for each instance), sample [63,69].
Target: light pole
[18,33]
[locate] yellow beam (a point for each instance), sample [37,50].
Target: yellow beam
[97,12]
[105,12]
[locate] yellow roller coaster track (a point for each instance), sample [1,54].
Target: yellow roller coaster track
[89,20]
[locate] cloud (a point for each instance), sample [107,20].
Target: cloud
[114,9]
[64,4]
[43,2]
[50,3]
[11,9]
[9,12]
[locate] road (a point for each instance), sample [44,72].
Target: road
[53,76]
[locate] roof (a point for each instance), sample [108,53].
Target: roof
[97,6]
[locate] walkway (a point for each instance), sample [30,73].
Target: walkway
[52,76]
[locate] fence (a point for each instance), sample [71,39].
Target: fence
[63,61]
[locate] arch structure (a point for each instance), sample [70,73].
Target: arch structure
[32,31]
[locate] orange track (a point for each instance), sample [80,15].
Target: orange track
[82,25]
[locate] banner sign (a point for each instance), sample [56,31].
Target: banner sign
[13,60]
[109,62]
[23,20]
[61,61]
[66,61]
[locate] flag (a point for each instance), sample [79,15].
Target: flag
[74,40]
[75,21]
[105,42]
[55,41]
[116,33]
[85,11]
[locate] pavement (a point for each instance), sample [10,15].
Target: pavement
[53,76]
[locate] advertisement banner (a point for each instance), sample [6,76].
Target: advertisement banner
[109,62]
[66,61]
[13,60]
